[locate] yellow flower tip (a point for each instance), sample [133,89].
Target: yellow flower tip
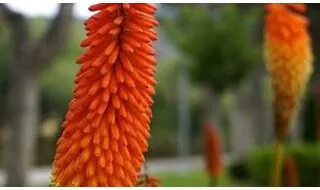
[106,129]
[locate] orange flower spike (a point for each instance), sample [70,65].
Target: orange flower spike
[213,151]
[106,128]
[289,59]
[291,173]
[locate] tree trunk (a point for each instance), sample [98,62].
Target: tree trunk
[213,112]
[184,138]
[23,121]
[240,129]
[257,109]
[260,109]
[212,107]
[30,58]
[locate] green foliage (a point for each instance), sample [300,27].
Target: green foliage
[57,86]
[164,111]
[219,46]
[38,26]
[58,80]
[164,121]
[191,179]
[310,132]
[256,168]
[5,59]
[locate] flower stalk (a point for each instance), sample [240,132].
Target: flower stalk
[278,162]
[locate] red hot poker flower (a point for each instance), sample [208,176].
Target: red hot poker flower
[213,151]
[288,55]
[106,128]
[291,173]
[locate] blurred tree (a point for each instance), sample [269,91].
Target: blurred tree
[29,59]
[217,46]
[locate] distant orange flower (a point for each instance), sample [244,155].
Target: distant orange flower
[148,181]
[291,173]
[106,129]
[213,151]
[289,60]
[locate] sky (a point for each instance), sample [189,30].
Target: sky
[48,9]
[45,8]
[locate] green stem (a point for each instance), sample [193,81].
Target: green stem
[213,181]
[278,162]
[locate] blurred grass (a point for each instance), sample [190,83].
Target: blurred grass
[195,178]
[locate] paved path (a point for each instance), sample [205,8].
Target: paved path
[40,176]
